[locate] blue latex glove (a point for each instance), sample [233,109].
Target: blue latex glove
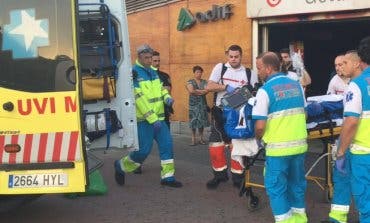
[229,89]
[157,126]
[340,164]
[169,101]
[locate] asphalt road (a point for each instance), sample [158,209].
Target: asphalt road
[143,199]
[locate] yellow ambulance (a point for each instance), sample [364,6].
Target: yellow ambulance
[65,83]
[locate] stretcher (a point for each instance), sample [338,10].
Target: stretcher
[327,136]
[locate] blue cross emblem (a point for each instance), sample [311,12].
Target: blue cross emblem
[349,96]
[25,34]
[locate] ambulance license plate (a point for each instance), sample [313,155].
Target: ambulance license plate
[38,180]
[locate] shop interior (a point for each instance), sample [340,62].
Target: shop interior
[322,41]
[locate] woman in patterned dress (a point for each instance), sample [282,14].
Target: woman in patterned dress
[198,116]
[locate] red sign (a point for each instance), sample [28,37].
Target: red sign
[273,3]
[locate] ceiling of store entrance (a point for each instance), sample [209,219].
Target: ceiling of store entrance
[323,41]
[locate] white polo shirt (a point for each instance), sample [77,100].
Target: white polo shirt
[353,101]
[233,77]
[337,85]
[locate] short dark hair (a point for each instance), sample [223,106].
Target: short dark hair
[235,48]
[271,59]
[155,53]
[285,50]
[197,67]
[364,50]
[350,51]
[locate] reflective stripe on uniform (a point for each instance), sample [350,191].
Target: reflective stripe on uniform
[340,207]
[153,100]
[236,171]
[357,149]
[138,95]
[299,210]
[283,217]
[283,113]
[220,168]
[216,144]
[286,151]
[166,161]
[282,145]
[149,113]
[365,114]
[143,119]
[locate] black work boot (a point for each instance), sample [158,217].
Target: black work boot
[220,176]
[237,179]
[138,170]
[172,183]
[119,174]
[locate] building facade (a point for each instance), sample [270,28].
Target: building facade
[319,28]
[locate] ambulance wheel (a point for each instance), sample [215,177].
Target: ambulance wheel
[253,203]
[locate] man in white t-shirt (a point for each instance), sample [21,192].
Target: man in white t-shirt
[235,75]
[338,84]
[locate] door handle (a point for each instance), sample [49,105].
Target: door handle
[8,106]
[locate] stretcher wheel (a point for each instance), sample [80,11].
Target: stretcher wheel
[328,195]
[253,203]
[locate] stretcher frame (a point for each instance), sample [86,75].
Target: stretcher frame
[327,136]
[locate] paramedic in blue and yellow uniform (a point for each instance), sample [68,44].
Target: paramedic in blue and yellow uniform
[150,97]
[340,204]
[279,112]
[355,134]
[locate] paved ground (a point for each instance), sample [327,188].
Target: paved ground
[143,199]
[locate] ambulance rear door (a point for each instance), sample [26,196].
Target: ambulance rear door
[41,146]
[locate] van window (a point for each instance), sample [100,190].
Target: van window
[35,46]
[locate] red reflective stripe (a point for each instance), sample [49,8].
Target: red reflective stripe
[57,146]
[217,156]
[12,156]
[27,148]
[235,165]
[42,147]
[228,79]
[72,146]
[2,140]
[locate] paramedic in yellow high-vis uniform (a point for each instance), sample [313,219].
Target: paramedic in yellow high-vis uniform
[150,97]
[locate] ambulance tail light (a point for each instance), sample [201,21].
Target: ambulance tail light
[12,148]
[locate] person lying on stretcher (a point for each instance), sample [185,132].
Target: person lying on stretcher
[323,110]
